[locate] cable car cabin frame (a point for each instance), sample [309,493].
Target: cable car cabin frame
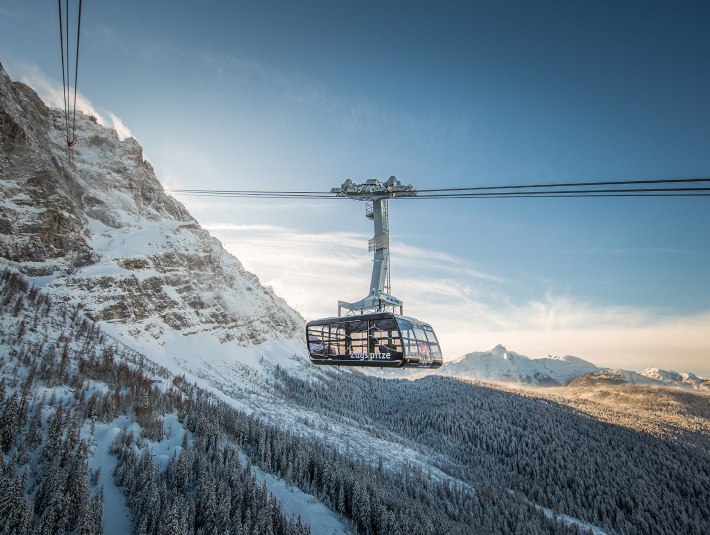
[380,339]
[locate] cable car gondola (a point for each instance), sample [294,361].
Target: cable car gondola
[372,333]
[381,339]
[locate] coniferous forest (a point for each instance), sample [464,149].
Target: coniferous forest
[620,479]
[65,384]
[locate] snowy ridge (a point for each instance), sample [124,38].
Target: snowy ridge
[613,377]
[499,365]
[648,377]
[671,378]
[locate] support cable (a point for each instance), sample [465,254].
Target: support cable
[76,71]
[687,187]
[64,83]
[573,184]
[626,192]
[480,191]
[561,192]
[69,108]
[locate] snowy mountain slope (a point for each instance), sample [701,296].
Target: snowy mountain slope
[76,392]
[96,228]
[648,377]
[613,377]
[502,366]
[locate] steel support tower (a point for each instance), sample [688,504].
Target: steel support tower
[376,194]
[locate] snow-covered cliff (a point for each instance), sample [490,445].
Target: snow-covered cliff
[95,228]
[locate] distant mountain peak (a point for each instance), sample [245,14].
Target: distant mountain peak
[502,365]
[672,378]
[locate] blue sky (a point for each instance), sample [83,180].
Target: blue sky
[301,96]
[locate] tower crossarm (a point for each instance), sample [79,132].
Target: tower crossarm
[376,194]
[373,189]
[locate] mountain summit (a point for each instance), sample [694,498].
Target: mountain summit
[502,366]
[94,227]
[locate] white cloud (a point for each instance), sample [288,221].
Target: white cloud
[409,256]
[216,227]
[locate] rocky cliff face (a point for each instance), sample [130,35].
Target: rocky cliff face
[95,227]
